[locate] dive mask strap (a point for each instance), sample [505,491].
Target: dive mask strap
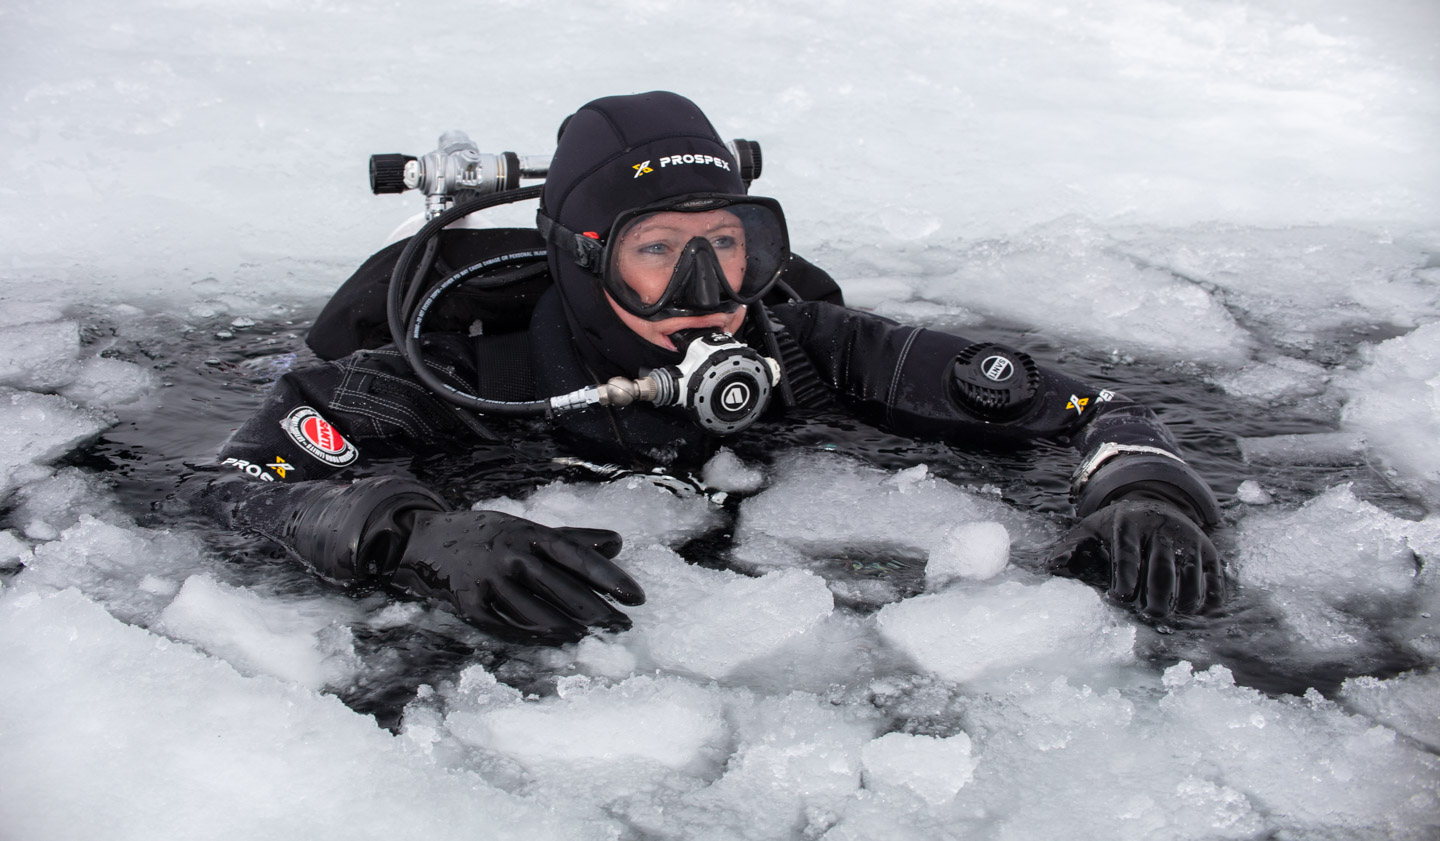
[587,250]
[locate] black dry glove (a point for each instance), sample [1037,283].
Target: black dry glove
[509,576]
[1147,554]
[1141,536]
[515,578]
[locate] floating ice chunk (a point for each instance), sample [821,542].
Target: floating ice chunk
[1336,546]
[1409,704]
[171,739]
[12,548]
[968,635]
[727,472]
[711,622]
[935,769]
[1313,448]
[661,720]
[607,658]
[1283,379]
[1252,492]
[60,499]
[874,292]
[41,530]
[158,586]
[1102,766]
[976,551]
[396,615]
[17,312]
[909,479]
[1340,571]
[36,429]
[643,509]
[1301,282]
[821,502]
[796,758]
[108,561]
[907,223]
[39,356]
[1395,404]
[304,643]
[1077,288]
[109,383]
[1357,780]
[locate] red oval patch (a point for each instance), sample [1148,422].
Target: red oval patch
[319,432]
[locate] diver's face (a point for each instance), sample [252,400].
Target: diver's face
[645,255]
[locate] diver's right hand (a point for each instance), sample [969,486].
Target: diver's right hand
[515,578]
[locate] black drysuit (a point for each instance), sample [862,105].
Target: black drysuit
[322,422]
[1141,506]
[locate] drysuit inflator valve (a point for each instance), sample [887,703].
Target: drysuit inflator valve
[724,384]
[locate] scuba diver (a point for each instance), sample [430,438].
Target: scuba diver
[655,309]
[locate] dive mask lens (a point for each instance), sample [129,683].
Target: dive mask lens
[696,255]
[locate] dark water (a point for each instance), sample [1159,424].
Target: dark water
[215,374]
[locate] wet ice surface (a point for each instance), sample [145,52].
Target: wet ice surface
[1233,219]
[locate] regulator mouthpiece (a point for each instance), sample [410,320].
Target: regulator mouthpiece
[724,384]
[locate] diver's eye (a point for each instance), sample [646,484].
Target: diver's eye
[723,242]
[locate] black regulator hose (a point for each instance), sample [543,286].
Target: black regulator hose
[407,304]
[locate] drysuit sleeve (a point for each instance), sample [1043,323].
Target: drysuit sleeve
[927,382]
[326,420]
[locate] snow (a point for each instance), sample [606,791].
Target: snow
[1244,193]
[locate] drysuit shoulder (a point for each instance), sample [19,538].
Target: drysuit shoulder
[355,317]
[809,282]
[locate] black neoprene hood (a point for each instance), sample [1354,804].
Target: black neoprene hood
[623,152]
[616,154]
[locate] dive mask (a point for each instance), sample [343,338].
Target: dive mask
[691,255]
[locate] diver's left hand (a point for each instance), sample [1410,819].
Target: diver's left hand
[1146,554]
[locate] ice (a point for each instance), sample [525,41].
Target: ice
[108,562]
[974,635]
[726,472]
[712,622]
[1280,379]
[12,548]
[307,645]
[58,501]
[1076,288]
[1396,405]
[1243,195]
[1405,704]
[665,721]
[36,429]
[1252,492]
[1362,551]
[796,765]
[934,769]
[110,383]
[641,508]
[39,356]
[810,508]
[1299,284]
[1355,771]
[976,550]
[164,742]
[1333,568]
[1308,448]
